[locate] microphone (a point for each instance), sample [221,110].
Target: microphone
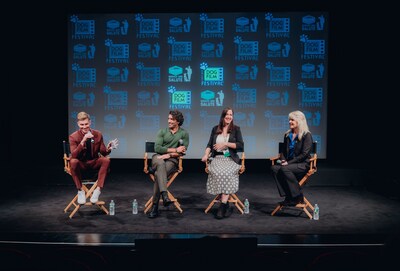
[92,139]
[181,144]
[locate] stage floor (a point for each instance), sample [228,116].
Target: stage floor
[351,218]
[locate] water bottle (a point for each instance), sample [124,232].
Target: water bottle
[134,207]
[316,212]
[246,206]
[112,207]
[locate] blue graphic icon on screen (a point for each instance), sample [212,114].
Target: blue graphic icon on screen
[312,49]
[313,118]
[91,51]
[146,98]
[148,76]
[310,23]
[244,72]
[84,77]
[240,119]
[286,49]
[117,53]
[321,22]
[277,98]
[277,76]
[112,121]
[244,97]
[83,29]
[187,25]
[187,75]
[310,96]
[176,74]
[175,71]
[275,49]
[146,50]
[310,71]
[245,50]
[243,25]
[81,99]
[82,51]
[148,123]
[116,28]
[277,27]
[320,70]
[219,101]
[176,25]
[147,28]
[208,121]
[179,50]
[245,119]
[115,75]
[210,50]
[209,98]
[276,123]
[115,99]
[211,76]
[179,99]
[211,28]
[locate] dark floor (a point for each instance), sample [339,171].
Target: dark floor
[355,223]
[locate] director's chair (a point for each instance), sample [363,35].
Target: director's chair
[149,151]
[303,179]
[233,198]
[89,184]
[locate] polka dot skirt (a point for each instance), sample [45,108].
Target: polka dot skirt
[223,177]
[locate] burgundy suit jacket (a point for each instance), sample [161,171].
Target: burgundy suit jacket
[78,151]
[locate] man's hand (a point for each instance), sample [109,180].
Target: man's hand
[113,144]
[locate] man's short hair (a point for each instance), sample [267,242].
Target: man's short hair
[82,116]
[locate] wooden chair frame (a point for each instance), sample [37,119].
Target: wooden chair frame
[233,198]
[149,148]
[88,185]
[303,181]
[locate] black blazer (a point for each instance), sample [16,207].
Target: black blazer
[302,149]
[235,137]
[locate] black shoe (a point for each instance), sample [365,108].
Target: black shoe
[165,198]
[154,211]
[297,200]
[286,201]
[229,210]
[221,211]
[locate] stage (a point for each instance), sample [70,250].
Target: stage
[354,221]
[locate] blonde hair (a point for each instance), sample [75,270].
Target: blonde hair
[82,116]
[301,120]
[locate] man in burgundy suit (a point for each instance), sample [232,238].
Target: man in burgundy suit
[85,145]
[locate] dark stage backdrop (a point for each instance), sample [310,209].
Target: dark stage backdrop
[129,69]
[35,119]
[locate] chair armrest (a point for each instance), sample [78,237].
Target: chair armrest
[207,163]
[180,163]
[67,165]
[274,158]
[242,166]
[146,166]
